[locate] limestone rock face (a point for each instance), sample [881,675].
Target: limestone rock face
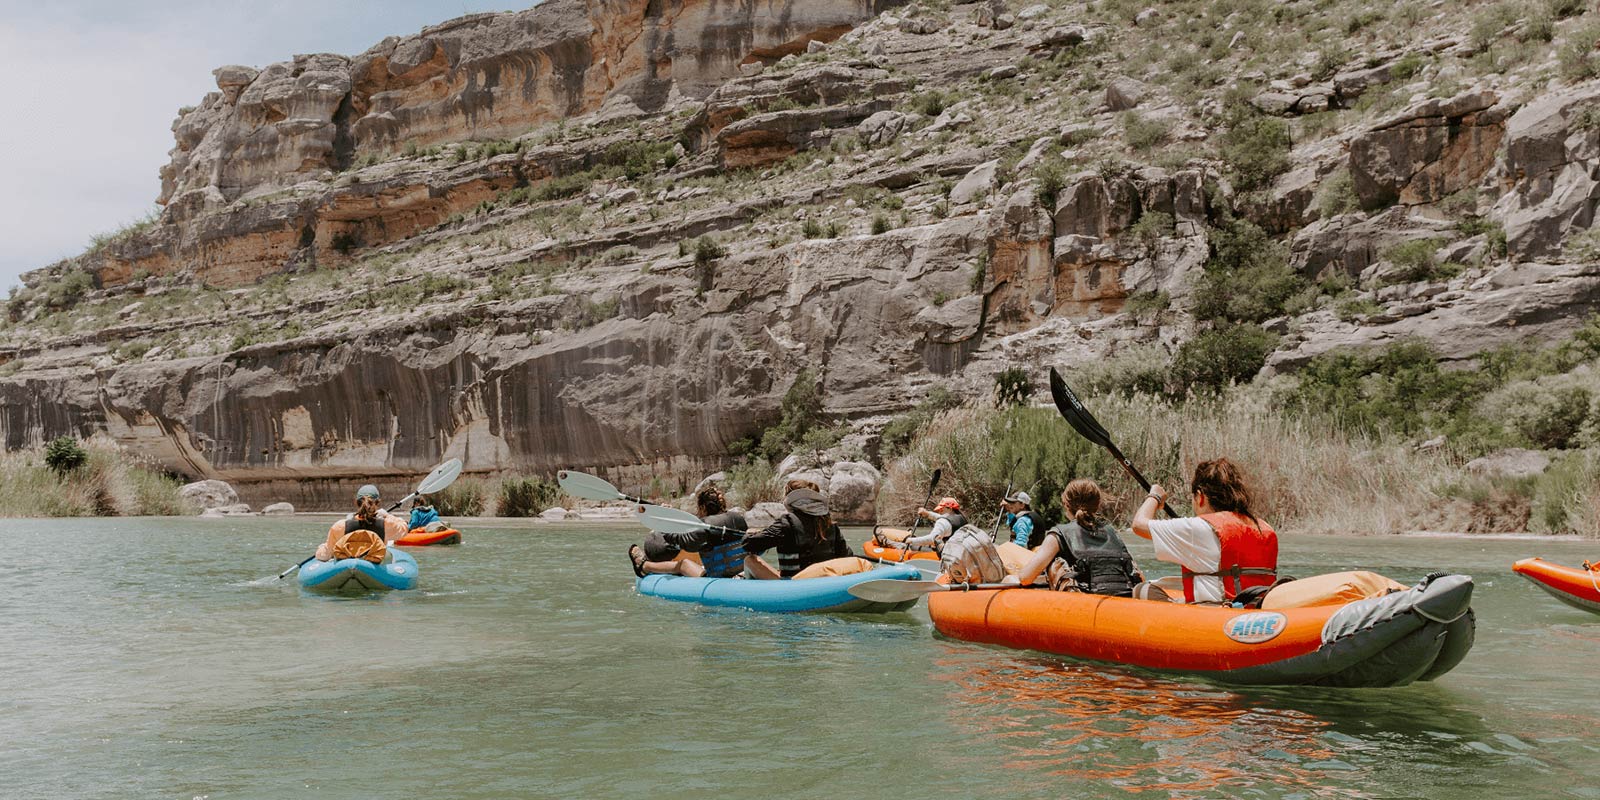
[480,77]
[1428,151]
[763,514]
[209,494]
[853,491]
[1550,169]
[278,508]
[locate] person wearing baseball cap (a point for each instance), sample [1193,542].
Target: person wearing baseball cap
[1027,526]
[946,517]
[366,533]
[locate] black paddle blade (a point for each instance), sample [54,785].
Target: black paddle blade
[1076,415]
[933,483]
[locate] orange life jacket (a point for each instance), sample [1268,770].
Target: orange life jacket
[1249,555]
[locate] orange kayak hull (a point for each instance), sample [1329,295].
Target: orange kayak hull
[876,552]
[1575,586]
[422,538]
[1384,641]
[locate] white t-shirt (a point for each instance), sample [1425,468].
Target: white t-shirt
[1190,542]
[941,530]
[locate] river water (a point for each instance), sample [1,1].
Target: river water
[158,658]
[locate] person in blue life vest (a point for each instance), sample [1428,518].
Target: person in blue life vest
[1223,550]
[423,515]
[1028,527]
[721,552]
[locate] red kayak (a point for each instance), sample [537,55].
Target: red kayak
[1575,586]
[422,538]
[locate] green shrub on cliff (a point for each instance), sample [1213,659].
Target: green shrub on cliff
[64,455]
[1254,146]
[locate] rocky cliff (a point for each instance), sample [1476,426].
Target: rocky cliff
[610,233]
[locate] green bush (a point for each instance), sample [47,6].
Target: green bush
[1247,278]
[464,498]
[1150,226]
[897,435]
[1051,173]
[522,496]
[1415,260]
[1216,358]
[1012,387]
[64,454]
[801,411]
[1336,195]
[1255,147]
[1407,65]
[1400,389]
[1561,9]
[1143,133]
[1147,303]
[1576,57]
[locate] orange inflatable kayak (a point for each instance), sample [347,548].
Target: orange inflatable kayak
[1575,586]
[422,538]
[877,552]
[1389,640]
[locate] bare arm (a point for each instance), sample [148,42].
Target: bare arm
[1148,509]
[325,550]
[1042,557]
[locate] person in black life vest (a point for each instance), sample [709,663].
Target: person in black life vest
[803,536]
[1224,549]
[1083,554]
[721,552]
[368,516]
[1027,526]
[946,517]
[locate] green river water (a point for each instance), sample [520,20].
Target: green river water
[157,658]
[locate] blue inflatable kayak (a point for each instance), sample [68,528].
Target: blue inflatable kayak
[360,575]
[811,594]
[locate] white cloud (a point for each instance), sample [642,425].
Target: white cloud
[91,89]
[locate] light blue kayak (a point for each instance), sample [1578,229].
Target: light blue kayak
[786,596]
[352,575]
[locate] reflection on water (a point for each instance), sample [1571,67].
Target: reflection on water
[1101,725]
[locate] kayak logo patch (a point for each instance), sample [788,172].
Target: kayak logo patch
[1255,627]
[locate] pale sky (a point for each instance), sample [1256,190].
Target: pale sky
[89,89]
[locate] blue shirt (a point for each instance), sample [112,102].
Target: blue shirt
[420,517]
[1021,528]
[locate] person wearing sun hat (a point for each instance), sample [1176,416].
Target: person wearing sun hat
[1027,526]
[946,517]
[366,533]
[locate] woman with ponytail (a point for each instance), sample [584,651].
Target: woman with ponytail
[1083,554]
[1224,549]
[366,533]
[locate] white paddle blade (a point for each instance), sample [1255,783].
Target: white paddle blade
[586,486]
[441,476]
[668,520]
[893,590]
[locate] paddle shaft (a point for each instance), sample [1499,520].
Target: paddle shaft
[933,485]
[1010,476]
[1077,415]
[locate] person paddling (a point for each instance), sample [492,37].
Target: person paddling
[1028,527]
[423,515]
[946,517]
[803,536]
[366,533]
[1223,550]
[721,551]
[1083,554]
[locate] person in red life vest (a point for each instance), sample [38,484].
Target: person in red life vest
[1223,550]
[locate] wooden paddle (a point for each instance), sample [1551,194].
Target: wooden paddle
[441,477]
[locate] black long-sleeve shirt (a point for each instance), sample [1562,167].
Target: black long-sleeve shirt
[703,540]
[797,549]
